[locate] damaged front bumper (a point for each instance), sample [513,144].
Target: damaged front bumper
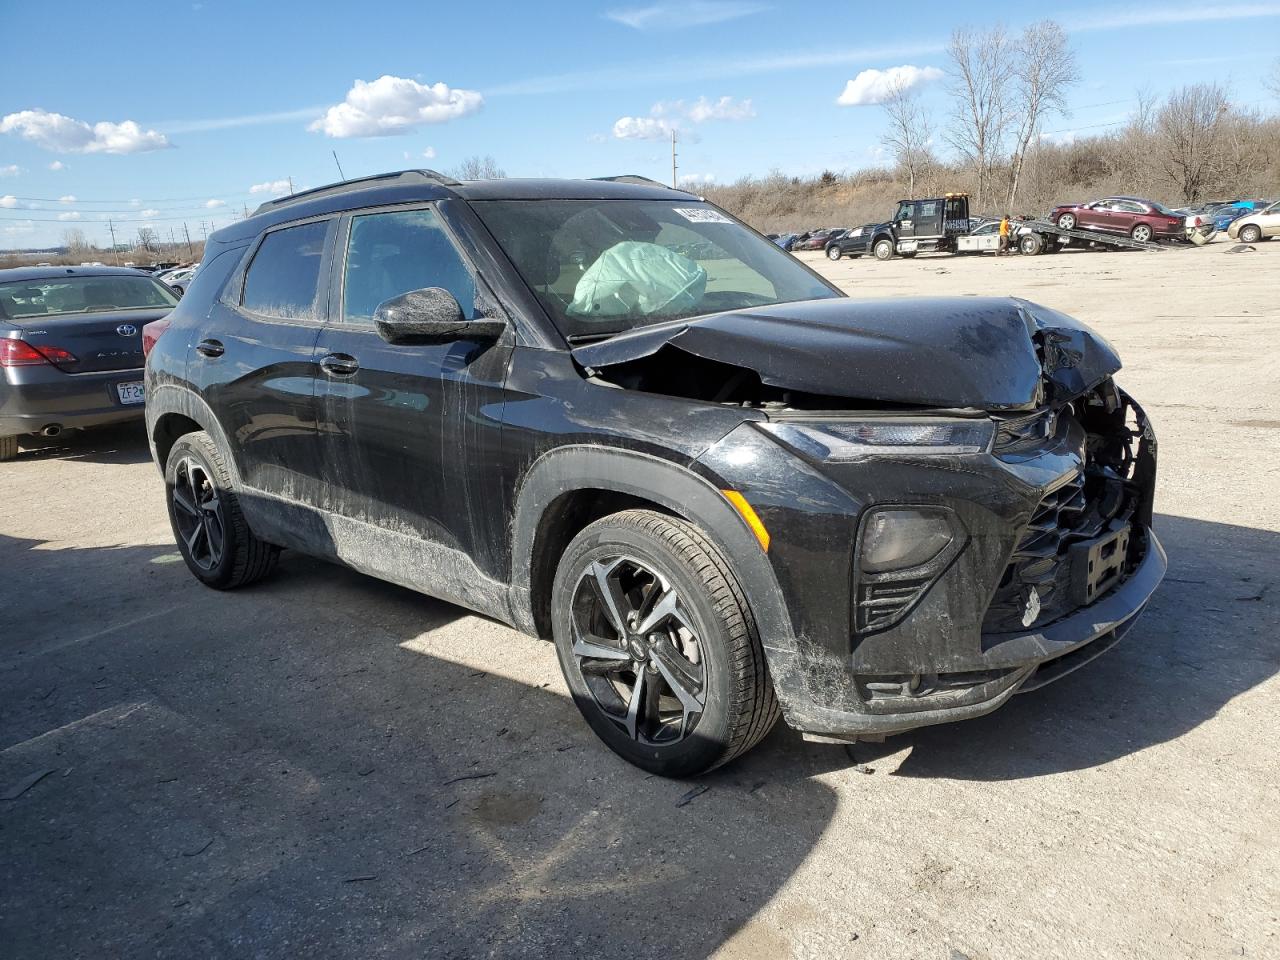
[1052,561]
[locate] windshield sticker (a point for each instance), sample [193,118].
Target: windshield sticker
[702,215]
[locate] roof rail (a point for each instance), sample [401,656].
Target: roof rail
[636,178]
[343,186]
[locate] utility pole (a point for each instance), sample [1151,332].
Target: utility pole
[246,210]
[191,254]
[112,227]
[673,158]
[291,184]
[204,232]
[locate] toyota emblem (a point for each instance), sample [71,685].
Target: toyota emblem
[127,330]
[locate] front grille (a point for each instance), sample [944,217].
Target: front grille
[1038,561]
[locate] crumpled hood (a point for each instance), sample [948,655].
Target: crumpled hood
[978,352]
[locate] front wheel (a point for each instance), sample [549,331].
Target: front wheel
[833,253]
[883,249]
[1250,234]
[658,645]
[1142,233]
[212,534]
[1067,221]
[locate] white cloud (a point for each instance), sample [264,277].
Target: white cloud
[875,86]
[69,198]
[57,165]
[667,115]
[694,179]
[19,228]
[150,212]
[678,16]
[8,201]
[429,153]
[643,128]
[214,204]
[69,216]
[271,186]
[12,170]
[393,105]
[61,134]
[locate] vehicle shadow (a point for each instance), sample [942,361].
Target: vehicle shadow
[1210,634]
[312,766]
[115,444]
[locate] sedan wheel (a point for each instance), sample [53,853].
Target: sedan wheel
[1141,233]
[1250,233]
[1067,221]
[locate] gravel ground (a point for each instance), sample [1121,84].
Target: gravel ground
[326,765]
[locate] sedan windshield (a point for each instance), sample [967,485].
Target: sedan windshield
[40,298]
[600,267]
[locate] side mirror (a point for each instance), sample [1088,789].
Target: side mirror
[430,315]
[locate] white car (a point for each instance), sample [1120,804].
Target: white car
[1259,225]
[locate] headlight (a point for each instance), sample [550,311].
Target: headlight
[852,440]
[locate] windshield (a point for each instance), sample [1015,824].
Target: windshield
[600,267]
[42,298]
[1161,208]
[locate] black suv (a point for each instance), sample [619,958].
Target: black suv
[608,413]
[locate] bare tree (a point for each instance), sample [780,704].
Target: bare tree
[147,238]
[74,240]
[908,135]
[981,88]
[478,168]
[1188,128]
[1046,68]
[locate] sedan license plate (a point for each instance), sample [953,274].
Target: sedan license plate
[131,392]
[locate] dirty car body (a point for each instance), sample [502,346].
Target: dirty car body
[926,505]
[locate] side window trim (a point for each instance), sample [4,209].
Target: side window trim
[234,291]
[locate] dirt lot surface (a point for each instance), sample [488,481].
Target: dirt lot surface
[329,766]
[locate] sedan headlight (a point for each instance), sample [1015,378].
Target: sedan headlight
[854,439]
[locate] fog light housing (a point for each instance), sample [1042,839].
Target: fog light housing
[899,539]
[901,552]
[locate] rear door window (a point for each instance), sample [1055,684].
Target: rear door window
[284,278]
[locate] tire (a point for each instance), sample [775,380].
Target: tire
[833,253]
[691,694]
[1067,221]
[1251,233]
[1142,233]
[8,448]
[883,249]
[211,532]
[1031,244]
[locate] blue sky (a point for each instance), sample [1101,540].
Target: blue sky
[164,114]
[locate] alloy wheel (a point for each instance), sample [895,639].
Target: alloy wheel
[638,651]
[1067,222]
[1142,233]
[198,514]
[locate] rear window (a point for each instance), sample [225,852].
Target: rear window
[41,298]
[284,277]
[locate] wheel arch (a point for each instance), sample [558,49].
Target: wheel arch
[570,487]
[174,410]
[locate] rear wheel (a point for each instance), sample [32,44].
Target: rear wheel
[658,645]
[212,534]
[8,448]
[1030,244]
[1250,233]
[1067,221]
[833,253]
[1142,233]
[883,249]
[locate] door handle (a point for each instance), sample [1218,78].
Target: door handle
[339,364]
[210,348]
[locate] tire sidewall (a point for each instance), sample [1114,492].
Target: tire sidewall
[882,245]
[189,446]
[1250,234]
[710,738]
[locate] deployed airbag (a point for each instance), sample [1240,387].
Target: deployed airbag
[635,279]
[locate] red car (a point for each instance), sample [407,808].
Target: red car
[1140,219]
